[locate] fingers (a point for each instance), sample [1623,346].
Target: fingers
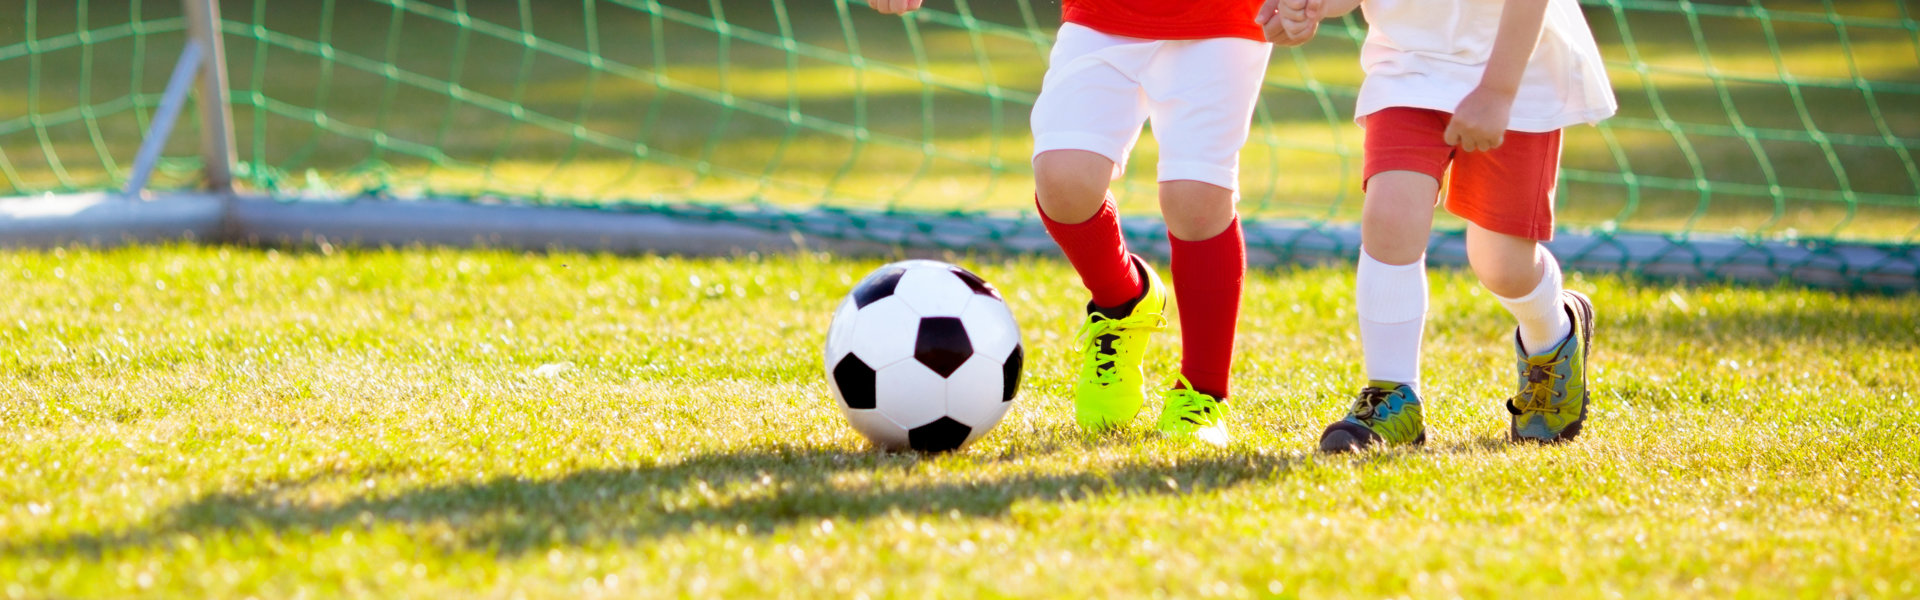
[1265,14]
[1300,30]
[1286,32]
[1468,140]
[1463,137]
[1314,9]
[1304,10]
[1289,22]
[1276,32]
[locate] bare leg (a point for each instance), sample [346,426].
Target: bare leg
[1398,216]
[1509,266]
[1526,279]
[1071,184]
[1195,211]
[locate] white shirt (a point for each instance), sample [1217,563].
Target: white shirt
[1431,53]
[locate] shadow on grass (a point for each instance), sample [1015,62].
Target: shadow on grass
[752,491]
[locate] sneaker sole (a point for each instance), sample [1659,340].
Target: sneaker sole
[1353,438]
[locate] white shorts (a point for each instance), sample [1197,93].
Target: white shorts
[1199,94]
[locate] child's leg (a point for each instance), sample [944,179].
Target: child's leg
[1201,99]
[1390,291]
[1209,269]
[1506,195]
[1524,276]
[1405,159]
[1071,191]
[1202,95]
[1390,285]
[1128,300]
[1085,123]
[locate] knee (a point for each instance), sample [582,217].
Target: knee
[1069,175]
[1194,210]
[1390,215]
[1395,234]
[1509,283]
[1061,189]
[1509,277]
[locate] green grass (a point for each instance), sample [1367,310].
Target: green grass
[318,82]
[224,422]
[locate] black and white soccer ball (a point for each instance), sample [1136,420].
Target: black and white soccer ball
[923,355]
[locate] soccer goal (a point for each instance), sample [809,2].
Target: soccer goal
[1760,140]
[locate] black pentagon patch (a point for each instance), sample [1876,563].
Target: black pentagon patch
[878,284]
[1010,374]
[939,436]
[942,344]
[855,379]
[978,285]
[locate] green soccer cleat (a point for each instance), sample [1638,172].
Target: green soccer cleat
[1113,344]
[1192,414]
[1551,405]
[1384,413]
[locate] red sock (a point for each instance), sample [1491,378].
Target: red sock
[1098,252]
[1207,276]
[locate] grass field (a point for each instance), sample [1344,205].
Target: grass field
[468,97]
[225,422]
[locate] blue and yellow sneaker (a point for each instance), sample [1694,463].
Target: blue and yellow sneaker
[1551,405]
[1113,344]
[1188,413]
[1385,412]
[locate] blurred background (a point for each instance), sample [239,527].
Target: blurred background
[1777,120]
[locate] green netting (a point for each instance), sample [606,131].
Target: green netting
[1765,121]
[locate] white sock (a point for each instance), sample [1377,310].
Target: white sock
[1543,319]
[1392,302]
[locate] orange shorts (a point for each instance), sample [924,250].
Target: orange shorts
[1507,190]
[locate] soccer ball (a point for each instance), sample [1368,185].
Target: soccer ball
[923,355]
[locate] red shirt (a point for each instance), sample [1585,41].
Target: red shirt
[1167,19]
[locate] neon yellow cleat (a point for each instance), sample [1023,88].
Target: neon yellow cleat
[1113,344]
[1189,413]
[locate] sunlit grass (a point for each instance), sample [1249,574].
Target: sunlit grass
[219,422]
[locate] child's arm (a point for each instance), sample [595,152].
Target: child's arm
[895,7]
[1480,122]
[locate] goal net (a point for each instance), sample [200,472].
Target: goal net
[1769,132]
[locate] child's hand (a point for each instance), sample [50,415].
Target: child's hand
[895,7]
[1480,122]
[1290,22]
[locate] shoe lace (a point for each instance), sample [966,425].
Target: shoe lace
[1537,395]
[1100,338]
[1366,406]
[1191,405]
